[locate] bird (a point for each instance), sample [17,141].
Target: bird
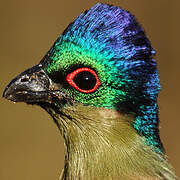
[99,82]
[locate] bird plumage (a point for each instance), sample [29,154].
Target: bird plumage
[100,83]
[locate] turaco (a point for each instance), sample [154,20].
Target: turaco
[99,82]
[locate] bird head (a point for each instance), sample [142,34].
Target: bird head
[101,67]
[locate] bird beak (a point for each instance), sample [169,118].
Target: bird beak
[31,86]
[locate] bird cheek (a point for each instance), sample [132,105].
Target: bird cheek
[109,113]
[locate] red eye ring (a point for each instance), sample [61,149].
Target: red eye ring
[72,75]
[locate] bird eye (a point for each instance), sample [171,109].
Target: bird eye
[84,80]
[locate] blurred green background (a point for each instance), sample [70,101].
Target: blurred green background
[30,145]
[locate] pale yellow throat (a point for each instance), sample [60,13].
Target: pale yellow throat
[102,144]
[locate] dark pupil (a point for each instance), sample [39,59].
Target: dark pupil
[85,80]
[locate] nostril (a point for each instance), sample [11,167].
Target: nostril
[24,79]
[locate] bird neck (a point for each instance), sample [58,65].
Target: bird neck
[147,125]
[102,144]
